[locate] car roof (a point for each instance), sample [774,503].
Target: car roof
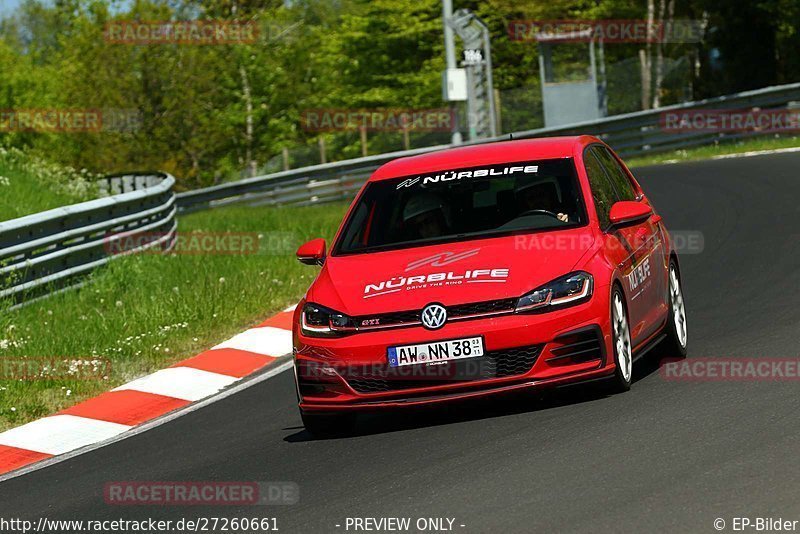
[483,154]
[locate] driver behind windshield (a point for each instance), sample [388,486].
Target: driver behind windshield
[424,217]
[540,196]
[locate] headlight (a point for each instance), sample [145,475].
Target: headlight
[319,321]
[567,290]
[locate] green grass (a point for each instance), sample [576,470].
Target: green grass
[146,312]
[706,152]
[30,185]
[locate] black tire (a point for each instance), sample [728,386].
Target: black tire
[328,425]
[675,344]
[620,381]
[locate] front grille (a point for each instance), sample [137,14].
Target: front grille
[577,347]
[489,306]
[495,364]
[403,318]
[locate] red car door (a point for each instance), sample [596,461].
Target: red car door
[636,249]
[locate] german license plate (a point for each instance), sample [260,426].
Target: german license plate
[435,351]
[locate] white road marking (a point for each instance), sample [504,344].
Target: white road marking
[181,383]
[758,153]
[60,433]
[734,155]
[264,340]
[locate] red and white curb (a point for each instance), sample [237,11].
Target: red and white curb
[131,405]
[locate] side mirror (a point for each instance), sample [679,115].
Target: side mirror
[625,212]
[312,253]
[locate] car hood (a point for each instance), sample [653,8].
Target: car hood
[450,274]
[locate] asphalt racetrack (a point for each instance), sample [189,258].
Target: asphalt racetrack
[668,456]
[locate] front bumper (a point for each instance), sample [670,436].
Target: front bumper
[522,351]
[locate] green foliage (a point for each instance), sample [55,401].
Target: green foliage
[211,113]
[30,184]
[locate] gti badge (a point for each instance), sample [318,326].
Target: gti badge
[434,316]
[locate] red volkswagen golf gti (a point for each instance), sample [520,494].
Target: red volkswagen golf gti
[481,270]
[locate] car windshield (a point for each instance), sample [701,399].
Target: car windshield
[464,203]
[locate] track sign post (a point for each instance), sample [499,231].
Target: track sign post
[454,85]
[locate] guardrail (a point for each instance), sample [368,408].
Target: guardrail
[632,134]
[44,252]
[49,251]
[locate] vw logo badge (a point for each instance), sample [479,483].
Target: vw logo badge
[434,316]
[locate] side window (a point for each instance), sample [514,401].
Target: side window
[616,173]
[602,190]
